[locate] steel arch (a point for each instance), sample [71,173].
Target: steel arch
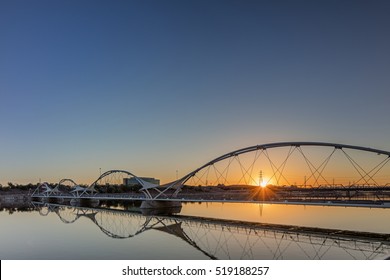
[109,172]
[61,182]
[67,180]
[278,145]
[145,185]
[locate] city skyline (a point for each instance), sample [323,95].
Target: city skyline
[162,87]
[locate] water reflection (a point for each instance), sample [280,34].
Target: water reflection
[219,239]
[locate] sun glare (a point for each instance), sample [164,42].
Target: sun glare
[263,184]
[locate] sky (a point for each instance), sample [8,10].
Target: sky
[159,87]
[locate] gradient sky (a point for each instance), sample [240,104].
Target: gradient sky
[158,86]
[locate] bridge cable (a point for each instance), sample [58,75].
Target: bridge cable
[282,165]
[378,167]
[356,166]
[317,170]
[255,158]
[227,169]
[246,171]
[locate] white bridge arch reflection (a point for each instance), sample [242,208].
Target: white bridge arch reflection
[221,239]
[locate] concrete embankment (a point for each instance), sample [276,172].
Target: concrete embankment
[14,200]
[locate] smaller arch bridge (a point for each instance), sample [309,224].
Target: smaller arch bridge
[65,187]
[116,177]
[65,182]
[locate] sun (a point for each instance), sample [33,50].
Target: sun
[263,184]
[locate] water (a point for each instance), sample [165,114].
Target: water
[65,232]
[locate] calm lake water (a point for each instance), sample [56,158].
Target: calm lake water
[123,232]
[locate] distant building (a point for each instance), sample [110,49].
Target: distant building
[133,182]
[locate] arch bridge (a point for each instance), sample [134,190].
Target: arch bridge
[334,169]
[292,165]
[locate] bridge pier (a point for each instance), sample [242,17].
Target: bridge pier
[84,202]
[153,207]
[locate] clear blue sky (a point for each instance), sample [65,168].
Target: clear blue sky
[158,86]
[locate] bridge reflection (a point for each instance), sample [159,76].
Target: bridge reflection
[221,239]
